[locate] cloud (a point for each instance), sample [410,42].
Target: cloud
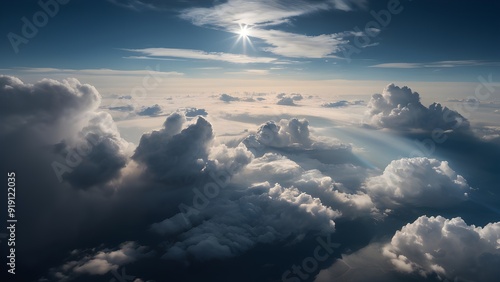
[150,111]
[293,45]
[250,72]
[86,145]
[102,153]
[448,248]
[342,104]
[173,154]
[261,14]
[102,72]
[233,227]
[418,182]
[44,103]
[228,98]
[100,262]
[400,108]
[201,55]
[438,64]
[127,108]
[288,100]
[193,112]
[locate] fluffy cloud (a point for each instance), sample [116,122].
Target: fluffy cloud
[419,182]
[261,214]
[150,111]
[288,100]
[228,98]
[285,133]
[100,262]
[47,108]
[173,154]
[193,112]
[400,108]
[86,145]
[448,248]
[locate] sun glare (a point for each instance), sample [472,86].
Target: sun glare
[244,32]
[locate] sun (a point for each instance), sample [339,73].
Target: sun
[244,32]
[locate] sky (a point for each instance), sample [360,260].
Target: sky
[231,140]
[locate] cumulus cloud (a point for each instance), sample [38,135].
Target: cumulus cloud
[232,227]
[286,101]
[86,145]
[419,182]
[193,112]
[100,153]
[228,98]
[47,105]
[150,111]
[173,154]
[100,262]
[400,108]
[448,248]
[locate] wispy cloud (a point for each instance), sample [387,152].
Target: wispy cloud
[250,72]
[259,15]
[103,72]
[299,46]
[439,64]
[201,55]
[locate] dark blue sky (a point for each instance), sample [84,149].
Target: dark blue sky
[426,41]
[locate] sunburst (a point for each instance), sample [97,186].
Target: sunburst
[244,33]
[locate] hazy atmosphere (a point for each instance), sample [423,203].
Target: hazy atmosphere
[250,141]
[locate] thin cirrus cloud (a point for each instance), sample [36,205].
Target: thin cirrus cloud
[161,53]
[103,72]
[259,15]
[439,64]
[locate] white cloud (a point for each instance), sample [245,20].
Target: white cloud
[400,108]
[298,45]
[261,14]
[419,182]
[101,72]
[201,55]
[438,64]
[101,262]
[448,248]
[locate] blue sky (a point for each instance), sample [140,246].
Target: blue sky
[423,40]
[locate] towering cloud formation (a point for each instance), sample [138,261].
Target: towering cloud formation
[447,247]
[63,115]
[173,154]
[400,108]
